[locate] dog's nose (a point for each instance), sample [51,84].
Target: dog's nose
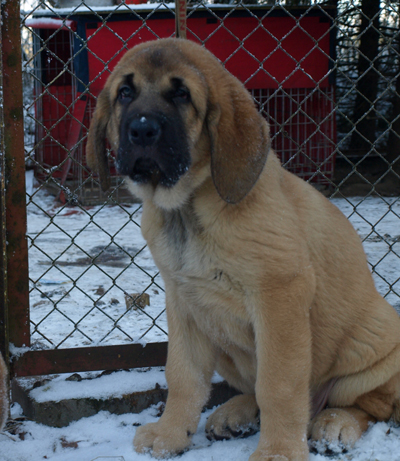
[144,131]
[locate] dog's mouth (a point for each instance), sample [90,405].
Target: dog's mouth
[146,170]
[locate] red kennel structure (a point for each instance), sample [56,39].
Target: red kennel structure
[284,58]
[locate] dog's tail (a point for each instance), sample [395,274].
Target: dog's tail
[4,401]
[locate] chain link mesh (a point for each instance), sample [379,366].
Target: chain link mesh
[92,278]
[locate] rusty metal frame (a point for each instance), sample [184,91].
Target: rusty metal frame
[36,362]
[180,18]
[14,276]
[4,346]
[14,304]
[16,263]
[79,359]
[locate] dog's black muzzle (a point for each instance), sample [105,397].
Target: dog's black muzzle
[152,149]
[144,131]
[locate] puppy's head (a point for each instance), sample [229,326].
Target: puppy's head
[174,117]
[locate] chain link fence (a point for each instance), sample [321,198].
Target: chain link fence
[325,75]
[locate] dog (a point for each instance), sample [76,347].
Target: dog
[266,281]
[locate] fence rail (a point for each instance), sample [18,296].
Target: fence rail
[92,297]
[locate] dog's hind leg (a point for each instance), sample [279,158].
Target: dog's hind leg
[338,429]
[383,402]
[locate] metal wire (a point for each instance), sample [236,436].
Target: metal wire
[312,126]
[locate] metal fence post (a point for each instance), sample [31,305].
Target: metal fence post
[14,177]
[180,18]
[3,241]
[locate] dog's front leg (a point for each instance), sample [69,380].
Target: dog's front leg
[283,346]
[189,369]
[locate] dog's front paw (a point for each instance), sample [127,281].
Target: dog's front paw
[239,417]
[164,442]
[260,455]
[294,449]
[298,452]
[335,430]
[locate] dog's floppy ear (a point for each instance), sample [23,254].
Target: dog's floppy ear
[96,151]
[239,143]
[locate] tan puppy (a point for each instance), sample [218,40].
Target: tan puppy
[266,281]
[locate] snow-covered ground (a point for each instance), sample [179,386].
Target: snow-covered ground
[75,303]
[109,437]
[115,232]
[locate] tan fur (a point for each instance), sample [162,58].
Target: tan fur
[237,417]
[339,427]
[266,281]
[4,401]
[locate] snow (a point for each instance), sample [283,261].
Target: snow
[107,436]
[122,7]
[100,9]
[97,384]
[115,385]
[62,296]
[49,23]
[377,221]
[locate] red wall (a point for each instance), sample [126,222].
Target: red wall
[279,43]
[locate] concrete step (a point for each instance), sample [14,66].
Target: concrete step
[57,400]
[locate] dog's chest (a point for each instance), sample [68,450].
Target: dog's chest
[193,258]
[202,276]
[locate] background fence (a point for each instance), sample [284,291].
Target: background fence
[325,75]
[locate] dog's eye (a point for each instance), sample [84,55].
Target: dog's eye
[182,94]
[125,93]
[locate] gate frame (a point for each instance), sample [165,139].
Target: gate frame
[14,310]
[14,271]
[4,347]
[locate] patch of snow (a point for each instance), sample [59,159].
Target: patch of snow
[49,23]
[108,436]
[102,387]
[18,351]
[29,182]
[77,304]
[98,385]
